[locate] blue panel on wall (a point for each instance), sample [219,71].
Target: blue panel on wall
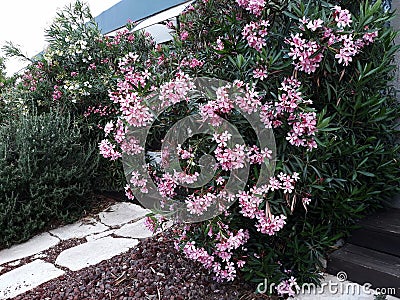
[118,15]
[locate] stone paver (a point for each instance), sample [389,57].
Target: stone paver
[79,230]
[93,252]
[134,230]
[26,278]
[35,245]
[122,213]
[100,235]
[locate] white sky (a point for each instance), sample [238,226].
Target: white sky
[23,22]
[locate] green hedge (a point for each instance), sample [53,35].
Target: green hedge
[45,175]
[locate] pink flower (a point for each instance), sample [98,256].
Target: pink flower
[369,37]
[255,34]
[197,205]
[166,185]
[56,93]
[304,53]
[248,100]
[254,6]
[342,17]
[108,128]
[314,24]
[288,287]
[150,224]
[184,154]
[260,73]
[306,202]
[240,263]
[220,181]
[249,204]
[92,66]
[131,146]
[231,159]
[138,182]
[184,35]
[195,63]
[222,138]
[269,225]
[219,44]
[176,90]
[108,150]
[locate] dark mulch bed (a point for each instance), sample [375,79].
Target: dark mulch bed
[152,270]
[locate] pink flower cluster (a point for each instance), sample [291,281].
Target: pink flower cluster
[131,106]
[191,63]
[349,49]
[108,150]
[260,73]
[231,159]
[307,54]
[250,102]
[150,223]
[118,131]
[219,44]
[138,182]
[183,177]
[120,36]
[254,6]
[176,90]
[184,154]
[342,17]
[255,33]
[369,37]
[290,106]
[270,225]
[250,203]
[131,146]
[197,205]
[33,76]
[166,185]
[56,93]
[99,110]
[219,257]
[243,96]
[236,157]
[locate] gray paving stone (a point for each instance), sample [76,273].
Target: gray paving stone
[100,235]
[27,277]
[134,230]
[14,263]
[93,252]
[35,245]
[79,230]
[39,255]
[122,213]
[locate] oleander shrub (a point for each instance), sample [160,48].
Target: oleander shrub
[74,74]
[45,174]
[318,73]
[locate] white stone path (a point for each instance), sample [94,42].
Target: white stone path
[124,221]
